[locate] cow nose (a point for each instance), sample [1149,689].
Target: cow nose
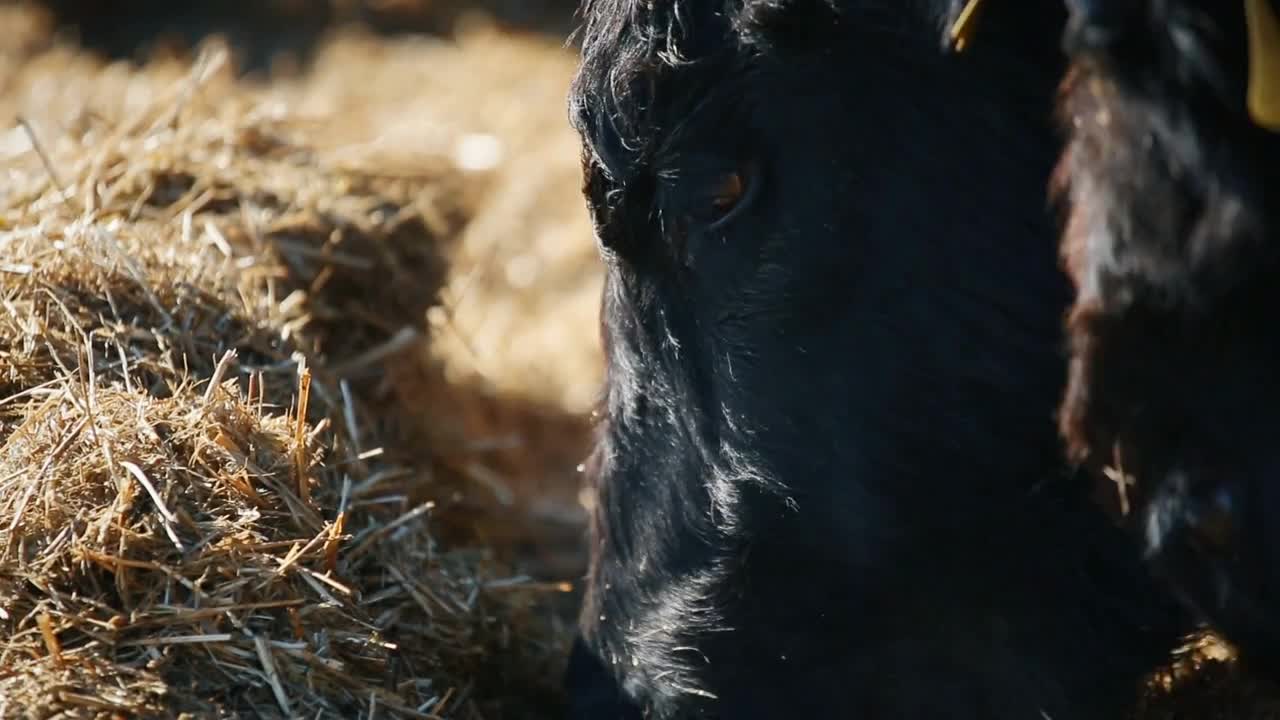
[1212,521]
[1103,12]
[1179,514]
[1097,23]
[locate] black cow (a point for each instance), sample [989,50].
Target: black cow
[1172,181]
[828,479]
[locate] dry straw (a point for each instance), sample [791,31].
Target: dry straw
[195,512]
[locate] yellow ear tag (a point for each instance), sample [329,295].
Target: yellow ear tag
[963,28]
[1264,63]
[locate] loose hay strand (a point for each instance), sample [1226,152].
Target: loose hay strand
[300,431]
[273,677]
[51,643]
[44,157]
[169,519]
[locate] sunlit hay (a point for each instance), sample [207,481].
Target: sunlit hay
[197,513]
[1204,682]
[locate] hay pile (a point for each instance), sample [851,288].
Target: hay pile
[200,510]
[1204,682]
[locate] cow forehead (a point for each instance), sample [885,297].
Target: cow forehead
[630,50]
[639,57]
[648,64]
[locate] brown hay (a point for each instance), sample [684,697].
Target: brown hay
[180,274]
[1204,682]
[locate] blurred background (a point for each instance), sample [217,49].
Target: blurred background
[490,369]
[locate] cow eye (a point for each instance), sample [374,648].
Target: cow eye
[728,192]
[726,195]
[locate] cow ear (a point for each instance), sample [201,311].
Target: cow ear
[1264,64]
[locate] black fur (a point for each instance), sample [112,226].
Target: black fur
[1174,205]
[828,481]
